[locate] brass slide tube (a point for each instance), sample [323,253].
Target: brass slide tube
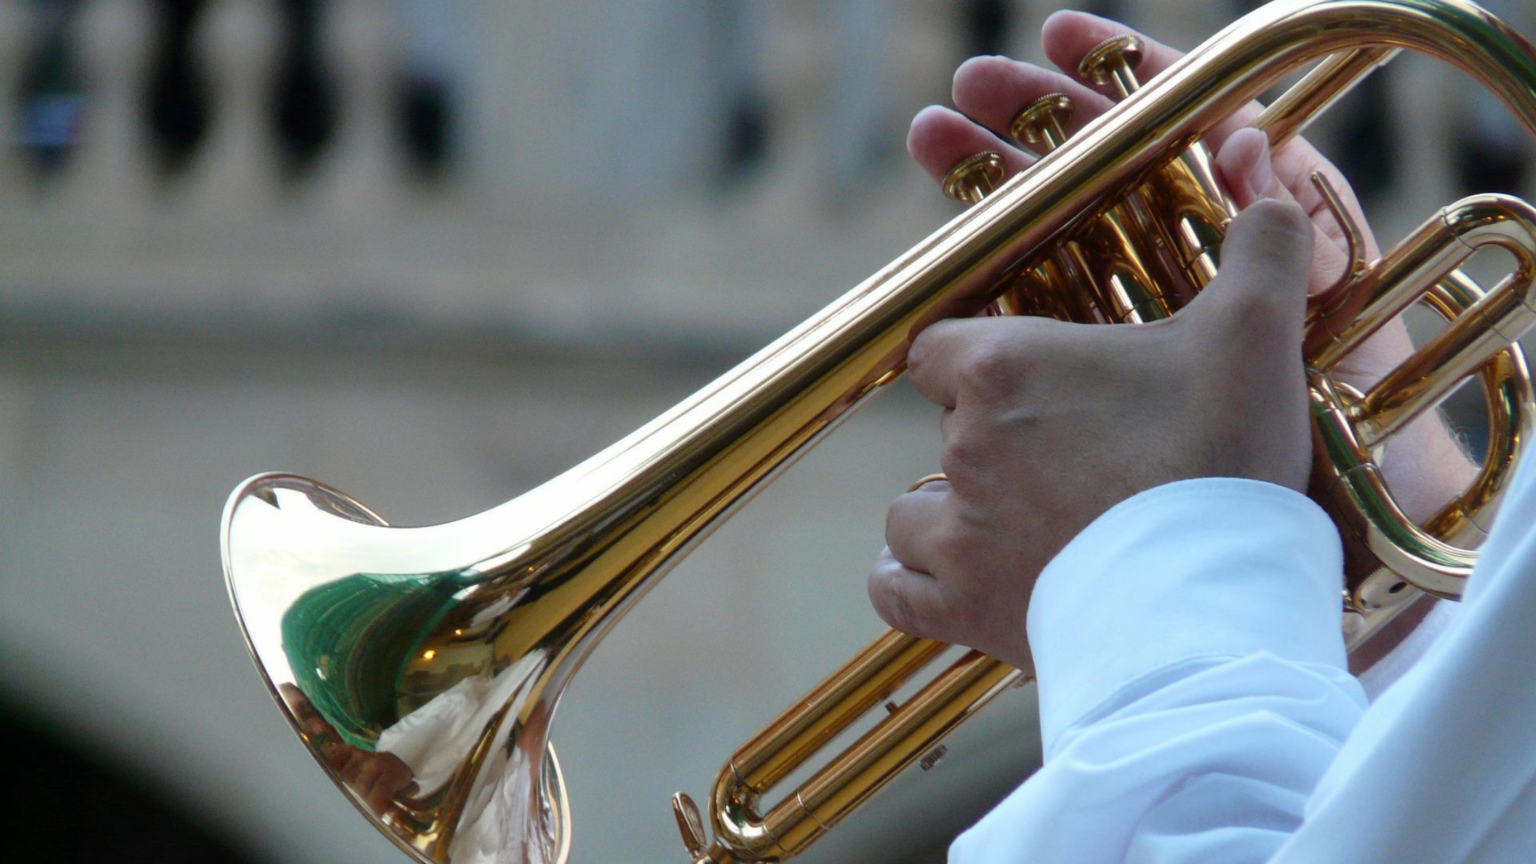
[1481,327]
[1493,324]
[844,783]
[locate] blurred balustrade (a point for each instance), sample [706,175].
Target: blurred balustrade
[582,199]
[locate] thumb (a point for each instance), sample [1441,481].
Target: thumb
[1260,289]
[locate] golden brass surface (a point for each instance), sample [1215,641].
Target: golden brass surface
[925,480]
[1113,62]
[1042,123]
[1053,286]
[974,178]
[421,667]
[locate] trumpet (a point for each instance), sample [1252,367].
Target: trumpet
[437,655]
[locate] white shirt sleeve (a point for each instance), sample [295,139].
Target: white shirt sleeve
[1192,682]
[1443,766]
[1188,721]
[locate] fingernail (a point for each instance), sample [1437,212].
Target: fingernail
[1261,176]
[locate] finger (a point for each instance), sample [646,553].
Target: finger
[956,355]
[371,794]
[1068,36]
[1245,166]
[367,777]
[1260,290]
[911,524]
[378,798]
[983,358]
[1295,163]
[907,600]
[336,755]
[935,357]
[993,90]
[941,138]
[349,765]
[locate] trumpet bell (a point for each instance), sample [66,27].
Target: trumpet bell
[388,657]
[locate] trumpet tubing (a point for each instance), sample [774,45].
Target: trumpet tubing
[435,656]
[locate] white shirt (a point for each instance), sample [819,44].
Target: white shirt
[1195,704]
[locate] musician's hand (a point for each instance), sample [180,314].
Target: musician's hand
[1048,424]
[990,91]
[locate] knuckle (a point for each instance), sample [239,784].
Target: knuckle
[920,352]
[990,371]
[893,602]
[961,458]
[974,442]
[897,522]
[953,549]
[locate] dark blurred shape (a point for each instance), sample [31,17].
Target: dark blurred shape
[50,99]
[746,133]
[1364,151]
[1488,164]
[734,37]
[988,24]
[1493,153]
[77,808]
[1365,141]
[1106,9]
[426,124]
[178,102]
[304,97]
[431,64]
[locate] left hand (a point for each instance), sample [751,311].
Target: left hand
[1047,424]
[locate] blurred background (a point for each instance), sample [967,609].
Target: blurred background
[434,252]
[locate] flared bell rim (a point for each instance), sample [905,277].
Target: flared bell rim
[549,789]
[261,486]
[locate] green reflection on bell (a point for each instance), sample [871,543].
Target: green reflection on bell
[349,643]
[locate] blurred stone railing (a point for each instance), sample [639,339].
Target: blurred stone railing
[583,203]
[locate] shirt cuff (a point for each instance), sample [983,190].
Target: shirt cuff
[1216,567]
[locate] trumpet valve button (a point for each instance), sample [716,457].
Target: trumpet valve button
[690,824]
[1042,123]
[975,177]
[1114,61]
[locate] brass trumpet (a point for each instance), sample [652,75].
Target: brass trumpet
[437,655]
